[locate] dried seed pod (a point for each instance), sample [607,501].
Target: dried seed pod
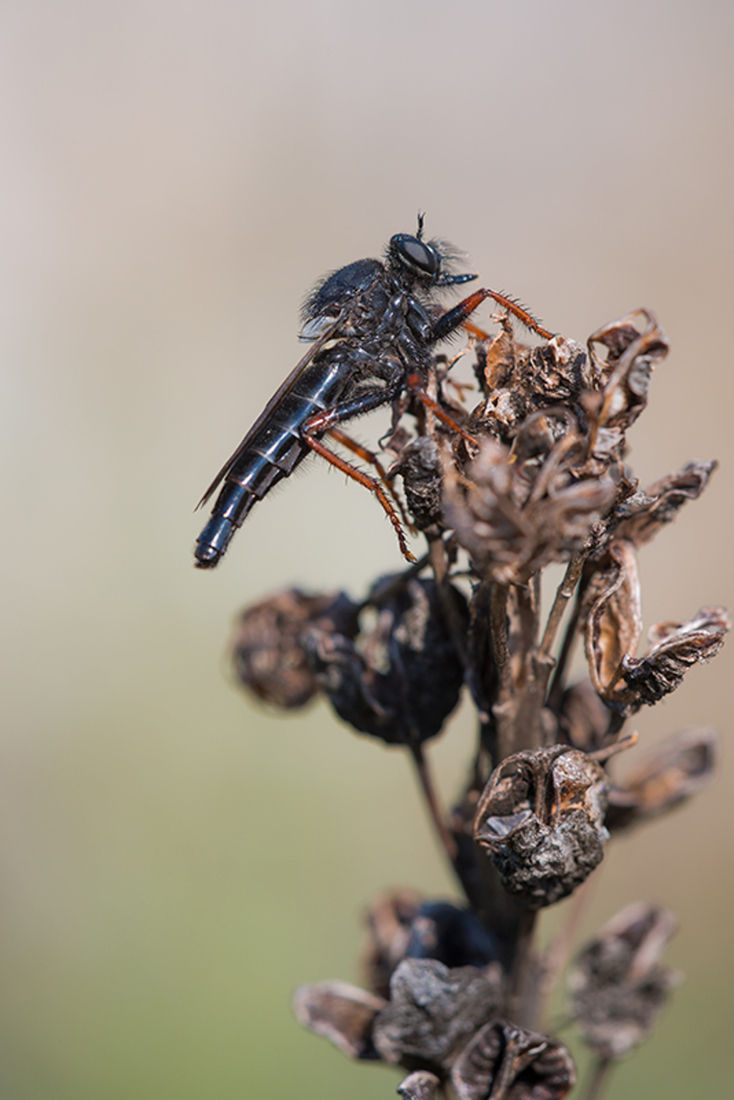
[420,1085]
[540,818]
[342,1013]
[504,1062]
[613,624]
[670,775]
[402,679]
[267,643]
[433,1011]
[618,985]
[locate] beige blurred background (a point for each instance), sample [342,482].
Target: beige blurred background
[175,175]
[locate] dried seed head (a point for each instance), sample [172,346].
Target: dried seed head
[519,381]
[670,775]
[402,679]
[342,1013]
[505,1062]
[267,644]
[433,1011]
[515,517]
[540,818]
[617,983]
[613,617]
[634,344]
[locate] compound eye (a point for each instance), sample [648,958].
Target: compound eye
[415,255]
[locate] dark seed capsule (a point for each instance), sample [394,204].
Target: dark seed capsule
[400,680]
[268,649]
[540,818]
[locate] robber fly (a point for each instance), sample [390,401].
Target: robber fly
[372,326]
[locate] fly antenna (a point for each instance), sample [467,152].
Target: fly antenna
[419,234]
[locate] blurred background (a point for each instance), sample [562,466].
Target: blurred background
[175,176]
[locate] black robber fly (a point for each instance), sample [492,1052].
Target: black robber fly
[372,327]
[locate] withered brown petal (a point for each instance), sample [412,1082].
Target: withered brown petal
[676,647]
[504,1062]
[661,502]
[420,1085]
[342,1013]
[388,922]
[267,643]
[540,818]
[635,345]
[614,617]
[433,1011]
[617,983]
[675,771]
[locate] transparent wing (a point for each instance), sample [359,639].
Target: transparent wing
[285,387]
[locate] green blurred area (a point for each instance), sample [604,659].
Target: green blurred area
[174,860]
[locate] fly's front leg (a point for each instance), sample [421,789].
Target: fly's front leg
[454,318]
[326,421]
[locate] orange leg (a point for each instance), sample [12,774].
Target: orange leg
[369,456]
[523,315]
[365,480]
[415,385]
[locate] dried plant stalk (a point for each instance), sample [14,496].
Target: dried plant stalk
[537,475]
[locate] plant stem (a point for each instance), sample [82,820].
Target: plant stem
[557,955]
[434,810]
[563,594]
[599,1079]
[556,688]
[440,564]
[518,1003]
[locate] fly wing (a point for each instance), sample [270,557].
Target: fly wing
[285,387]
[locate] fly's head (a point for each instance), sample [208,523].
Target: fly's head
[424,262]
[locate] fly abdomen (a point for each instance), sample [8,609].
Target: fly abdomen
[248,481]
[271,454]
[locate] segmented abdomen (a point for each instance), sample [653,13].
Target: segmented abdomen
[272,453]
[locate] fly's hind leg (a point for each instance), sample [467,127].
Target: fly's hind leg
[415,385]
[369,483]
[370,457]
[327,421]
